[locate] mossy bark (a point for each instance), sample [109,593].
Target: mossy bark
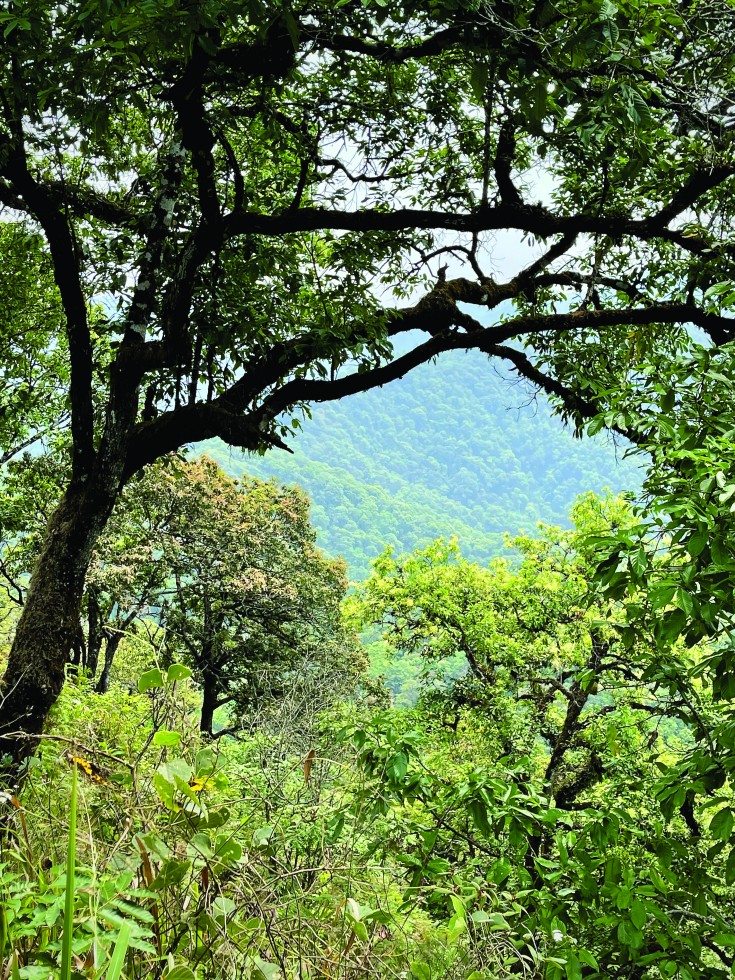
[50,620]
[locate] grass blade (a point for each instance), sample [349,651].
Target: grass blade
[118,954]
[66,940]
[3,933]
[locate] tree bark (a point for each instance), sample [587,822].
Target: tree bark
[210,699]
[50,619]
[113,642]
[94,631]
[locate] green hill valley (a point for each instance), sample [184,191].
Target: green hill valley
[455,449]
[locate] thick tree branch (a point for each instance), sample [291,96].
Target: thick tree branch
[578,279]
[231,415]
[503,165]
[699,184]
[196,133]
[394,54]
[554,252]
[77,200]
[270,58]
[535,219]
[67,275]
[149,441]
[574,405]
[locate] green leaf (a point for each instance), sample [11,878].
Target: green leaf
[117,961]
[163,737]
[721,824]
[478,812]
[205,762]
[420,970]
[263,970]
[628,934]
[150,680]
[166,791]
[456,926]
[673,624]
[684,601]
[70,889]
[262,836]
[497,922]
[587,958]
[228,850]
[177,672]
[171,873]
[500,870]
[573,968]
[730,867]
[668,400]
[223,907]
[661,596]
[180,973]
[397,767]
[638,914]
[478,81]
[697,543]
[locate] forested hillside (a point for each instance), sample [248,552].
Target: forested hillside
[218,216]
[454,448]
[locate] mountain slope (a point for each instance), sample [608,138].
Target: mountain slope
[454,448]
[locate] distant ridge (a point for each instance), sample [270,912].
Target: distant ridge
[454,448]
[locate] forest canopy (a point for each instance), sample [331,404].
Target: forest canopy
[216,214]
[235,208]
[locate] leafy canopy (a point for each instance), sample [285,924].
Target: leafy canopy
[243,205]
[245,183]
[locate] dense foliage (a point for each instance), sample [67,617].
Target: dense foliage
[217,214]
[531,816]
[450,450]
[251,606]
[233,198]
[222,576]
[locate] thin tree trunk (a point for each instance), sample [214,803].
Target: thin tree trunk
[50,619]
[113,642]
[94,631]
[210,700]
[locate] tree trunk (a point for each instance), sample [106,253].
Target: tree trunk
[50,619]
[94,631]
[113,642]
[210,698]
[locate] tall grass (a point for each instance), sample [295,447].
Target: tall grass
[71,851]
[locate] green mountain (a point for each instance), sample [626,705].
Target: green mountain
[454,448]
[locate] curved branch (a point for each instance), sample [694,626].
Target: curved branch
[57,227]
[503,165]
[535,219]
[148,441]
[80,201]
[574,405]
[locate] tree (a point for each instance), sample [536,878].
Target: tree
[225,189]
[529,654]
[251,605]
[671,570]
[547,778]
